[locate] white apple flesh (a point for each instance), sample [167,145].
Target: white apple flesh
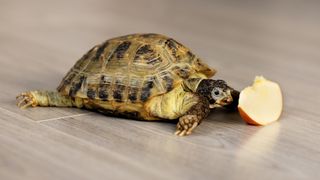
[261,103]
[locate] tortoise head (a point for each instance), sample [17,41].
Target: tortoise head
[218,93]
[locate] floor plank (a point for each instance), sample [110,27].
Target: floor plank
[41,40]
[154,143]
[32,151]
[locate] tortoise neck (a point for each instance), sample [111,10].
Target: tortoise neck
[191,84]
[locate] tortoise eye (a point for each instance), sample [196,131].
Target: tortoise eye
[216,92]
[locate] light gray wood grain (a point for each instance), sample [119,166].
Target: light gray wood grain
[31,151]
[24,66]
[41,40]
[154,143]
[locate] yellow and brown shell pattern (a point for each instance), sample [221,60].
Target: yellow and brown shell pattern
[131,69]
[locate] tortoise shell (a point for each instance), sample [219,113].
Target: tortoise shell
[132,69]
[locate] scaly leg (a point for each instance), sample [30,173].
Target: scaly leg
[193,117]
[189,107]
[46,98]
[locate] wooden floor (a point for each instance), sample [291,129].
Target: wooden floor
[40,41]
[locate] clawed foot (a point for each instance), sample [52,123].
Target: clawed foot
[25,100]
[186,124]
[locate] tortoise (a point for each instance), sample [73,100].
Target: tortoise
[140,76]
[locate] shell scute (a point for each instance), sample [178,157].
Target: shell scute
[131,69]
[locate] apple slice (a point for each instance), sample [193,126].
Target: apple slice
[261,103]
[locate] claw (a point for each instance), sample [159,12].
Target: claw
[195,124]
[22,101]
[182,133]
[26,105]
[186,125]
[25,100]
[177,132]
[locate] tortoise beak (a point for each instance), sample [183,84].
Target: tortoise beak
[227,99]
[235,100]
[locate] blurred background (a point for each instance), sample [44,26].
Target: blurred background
[229,35]
[40,40]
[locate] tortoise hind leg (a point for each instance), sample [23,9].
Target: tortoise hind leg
[46,98]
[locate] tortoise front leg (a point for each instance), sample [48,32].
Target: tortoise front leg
[189,107]
[46,98]
[193,117]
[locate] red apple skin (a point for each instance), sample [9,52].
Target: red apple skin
[247,118]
